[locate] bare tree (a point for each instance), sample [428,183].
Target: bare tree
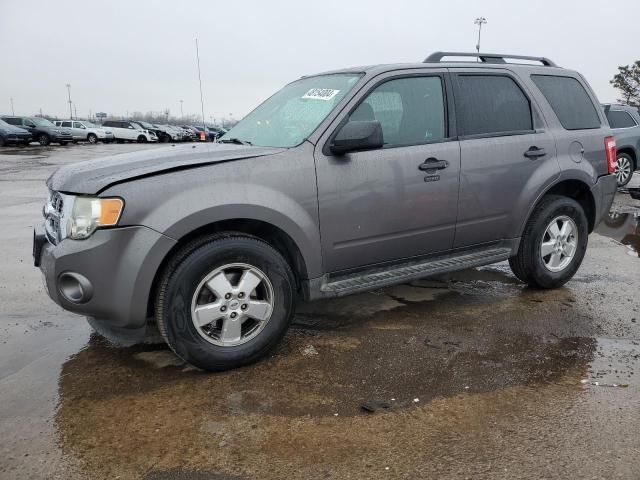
[627,81]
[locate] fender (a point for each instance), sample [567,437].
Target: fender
[177,203]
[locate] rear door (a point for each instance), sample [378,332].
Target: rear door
[507,154]
[69,127]
[79,131]
[385,205]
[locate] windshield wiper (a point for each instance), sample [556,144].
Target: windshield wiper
[235,140]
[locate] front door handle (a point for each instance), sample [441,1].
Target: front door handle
[433,164]
[535,152]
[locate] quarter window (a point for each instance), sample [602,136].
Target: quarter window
[410,110]
[490,105]
[620,119]
[569,100]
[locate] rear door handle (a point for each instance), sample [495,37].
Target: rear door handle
[433,164]
[535,152]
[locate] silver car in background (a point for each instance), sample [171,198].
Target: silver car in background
[82,130]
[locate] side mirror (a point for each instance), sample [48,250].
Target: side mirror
[356,136]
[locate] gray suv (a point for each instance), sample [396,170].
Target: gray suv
[339,183]
[624,120]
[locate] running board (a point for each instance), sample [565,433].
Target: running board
[378,278]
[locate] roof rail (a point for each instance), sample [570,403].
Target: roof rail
[487,57]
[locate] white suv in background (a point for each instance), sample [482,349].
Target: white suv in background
[129,131]
[86,131]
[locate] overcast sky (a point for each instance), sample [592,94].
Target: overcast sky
[130,55]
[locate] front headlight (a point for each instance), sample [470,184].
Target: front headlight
[90,213]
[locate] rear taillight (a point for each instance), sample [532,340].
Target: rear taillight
[610,149]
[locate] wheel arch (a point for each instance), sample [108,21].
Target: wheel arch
[573,188]
[265,231]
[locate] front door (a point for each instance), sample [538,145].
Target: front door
[399,201]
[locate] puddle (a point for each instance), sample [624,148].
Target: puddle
[624,227]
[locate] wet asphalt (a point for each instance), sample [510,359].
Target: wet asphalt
[471,375]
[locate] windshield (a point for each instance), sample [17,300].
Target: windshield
[4,124]
[42,122]
[90,125]
[146,125]
[291,115]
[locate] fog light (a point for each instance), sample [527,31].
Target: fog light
[74,287]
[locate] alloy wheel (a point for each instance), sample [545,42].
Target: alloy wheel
[559,243]
[232,304]
[623,170]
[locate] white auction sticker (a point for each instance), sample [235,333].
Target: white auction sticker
[321,93]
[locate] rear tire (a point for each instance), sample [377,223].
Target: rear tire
[539,271]
[624,168]
[182,290]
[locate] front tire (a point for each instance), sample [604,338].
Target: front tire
[624,168]
[142,139]
[92,138]
[553,243]
[224,301]
[43,139]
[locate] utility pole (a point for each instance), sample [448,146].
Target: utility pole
[12,112]
[69,92]
[479,21]
[204,124]
[181,112]
[75,109]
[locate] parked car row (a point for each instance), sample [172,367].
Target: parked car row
[17,130]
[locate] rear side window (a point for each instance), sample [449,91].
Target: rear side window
[620,119]
[491,104]
[569,100]
[66,124]
[410,110]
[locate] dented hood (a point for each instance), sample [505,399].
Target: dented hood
[93,176]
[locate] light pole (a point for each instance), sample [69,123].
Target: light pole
[69,93]
[181,112]
[479,21]
[204,123]
[12,112]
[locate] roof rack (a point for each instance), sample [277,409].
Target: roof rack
[487,57]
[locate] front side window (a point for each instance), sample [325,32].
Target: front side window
[292,114]
[77,125]
[491,105]
[410,110]
[569,100]
[42,122]
[620,119]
